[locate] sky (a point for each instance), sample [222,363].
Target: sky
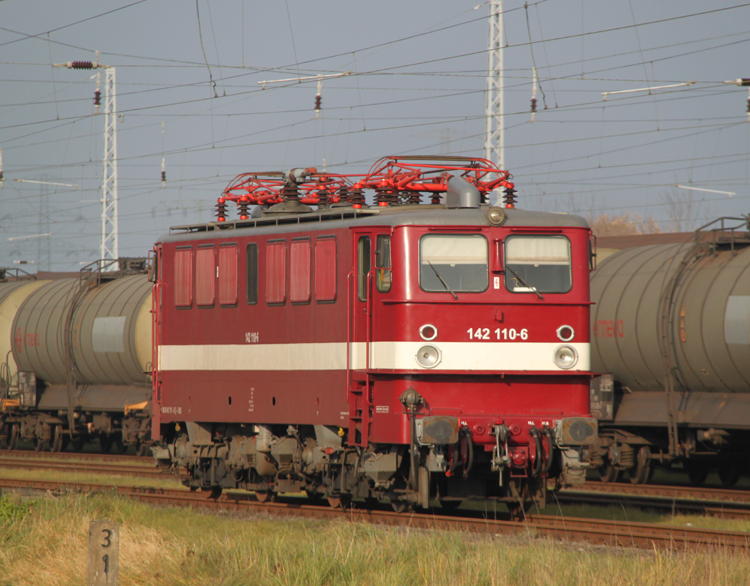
[189,91]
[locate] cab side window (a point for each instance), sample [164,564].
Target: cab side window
[383,263]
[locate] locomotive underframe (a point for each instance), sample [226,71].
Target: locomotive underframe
[316,459]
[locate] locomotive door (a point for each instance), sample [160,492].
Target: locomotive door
[371,271]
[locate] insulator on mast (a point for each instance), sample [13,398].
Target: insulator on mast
[163,171]
[534,85]
[82,65]
[98,93]
[318,99]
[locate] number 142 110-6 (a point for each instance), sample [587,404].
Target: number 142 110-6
[498,334]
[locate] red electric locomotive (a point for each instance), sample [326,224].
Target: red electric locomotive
[399,351]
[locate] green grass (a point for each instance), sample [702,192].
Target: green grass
[44,541]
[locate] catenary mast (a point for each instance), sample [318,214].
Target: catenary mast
[494,141]
[109,249]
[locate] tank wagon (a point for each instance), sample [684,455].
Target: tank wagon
[671,327]
[404,351]
[77,359]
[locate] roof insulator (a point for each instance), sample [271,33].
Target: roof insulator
[509,196]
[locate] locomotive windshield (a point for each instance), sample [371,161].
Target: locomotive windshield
[537,264]
[449,262]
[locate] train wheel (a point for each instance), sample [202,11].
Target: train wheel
[77,444]
[518,509]
[608,473]
[142,449]
[313,495]
[212,493]
[401,506]
[57,439]
[41,445]
[341,501]
[120,446]
[450,505]
[642,470]
[105,443]
[265,496]
[13,440]
[697,471]
[729,473]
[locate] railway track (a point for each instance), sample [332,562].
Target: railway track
[668,491]
[608,533]
[99,457]
[724,503]
[123,466]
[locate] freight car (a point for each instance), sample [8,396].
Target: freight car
[671,332]
[76,359]
[404,351]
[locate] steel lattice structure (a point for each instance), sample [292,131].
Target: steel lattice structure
[109,243]
[494,142]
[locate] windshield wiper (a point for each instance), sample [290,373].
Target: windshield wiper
[524,283]
[447,288]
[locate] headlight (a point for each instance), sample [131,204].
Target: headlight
[428,356]
[496,216]
[566,356]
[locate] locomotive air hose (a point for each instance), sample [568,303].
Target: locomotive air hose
[539,452]
[548,464]
[470,453]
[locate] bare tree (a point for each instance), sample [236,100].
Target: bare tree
[623,225]
[683,210]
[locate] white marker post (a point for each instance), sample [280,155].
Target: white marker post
[104,553]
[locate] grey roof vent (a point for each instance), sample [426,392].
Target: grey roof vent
[461,194]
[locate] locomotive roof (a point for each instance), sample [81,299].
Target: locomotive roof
[346,217]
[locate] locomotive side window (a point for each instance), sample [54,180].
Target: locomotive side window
[228,274]
[453,263]
[299,271]
[252,274]
[325,269]
[205,276]
[363,261]
[276,272]
[537,264]
[383,263]
[183,277]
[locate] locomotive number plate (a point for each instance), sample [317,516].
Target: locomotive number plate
[502,334]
